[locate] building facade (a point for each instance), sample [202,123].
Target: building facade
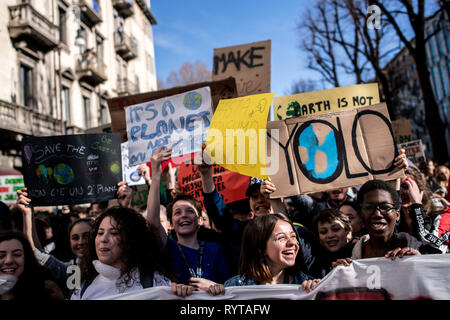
[404,82]
[61,60]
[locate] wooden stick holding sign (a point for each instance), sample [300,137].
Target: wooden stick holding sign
[334,150]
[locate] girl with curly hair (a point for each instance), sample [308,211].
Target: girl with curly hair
[123,256]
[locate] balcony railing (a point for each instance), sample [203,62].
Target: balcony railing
[90,12]
[24,120]
[125,45]
[90,69]
[27,23]
[123,7]
[126,87]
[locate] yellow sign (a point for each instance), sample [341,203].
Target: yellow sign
[324,101]
[237,134]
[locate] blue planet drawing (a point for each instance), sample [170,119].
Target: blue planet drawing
[192,100]
[63,173]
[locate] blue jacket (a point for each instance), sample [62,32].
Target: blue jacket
[238,281]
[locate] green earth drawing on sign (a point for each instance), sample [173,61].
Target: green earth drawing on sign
[115,168]
[192,100]
[63,173]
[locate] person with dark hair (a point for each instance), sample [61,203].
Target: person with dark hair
[334,231]
[200,264]
[257,203]
[352,211]
[269,255]
[123,255]
[78,234]
[380,210]
[21,277]
[427,168]
[424,216]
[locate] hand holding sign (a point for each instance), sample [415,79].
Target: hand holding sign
[124,194]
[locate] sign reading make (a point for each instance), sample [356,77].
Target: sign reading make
[71,169]
[249,64]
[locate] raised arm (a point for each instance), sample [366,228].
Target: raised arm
[153,202]
[23,203]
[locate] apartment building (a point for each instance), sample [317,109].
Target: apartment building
[401,71]
[61,60]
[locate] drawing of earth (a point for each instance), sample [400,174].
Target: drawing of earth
[192,100]
[63,173]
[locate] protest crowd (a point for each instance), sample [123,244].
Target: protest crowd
[80,230]
[173,241]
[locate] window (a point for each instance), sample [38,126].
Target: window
[26,85]
[446,37]
[103,114]
[435,85]
[87,111]
[431,47]
[65,101]
[443,80]
[99,49]
[62,25]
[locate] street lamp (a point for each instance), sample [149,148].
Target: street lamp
[79,39]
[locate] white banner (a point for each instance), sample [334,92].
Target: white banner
[179,122]
[408,278]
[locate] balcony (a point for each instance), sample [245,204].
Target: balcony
[124,7]
[23,120]
[90,12]
[125,45]
[90,70]
[28,24]
[126,87]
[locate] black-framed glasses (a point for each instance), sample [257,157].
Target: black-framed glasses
[384,207]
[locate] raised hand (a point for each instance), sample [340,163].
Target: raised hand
[159,157]
[23,202]
[124,194]
[400,161]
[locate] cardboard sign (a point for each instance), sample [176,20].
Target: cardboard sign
[71,169]
[249,64]
[130,174]
[325,101]
[178,122]
[8,187]
[223,89]
[231,185]
[334,150]
[245,119]
[402,131]
[414,151]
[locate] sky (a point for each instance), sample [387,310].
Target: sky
[189,30]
